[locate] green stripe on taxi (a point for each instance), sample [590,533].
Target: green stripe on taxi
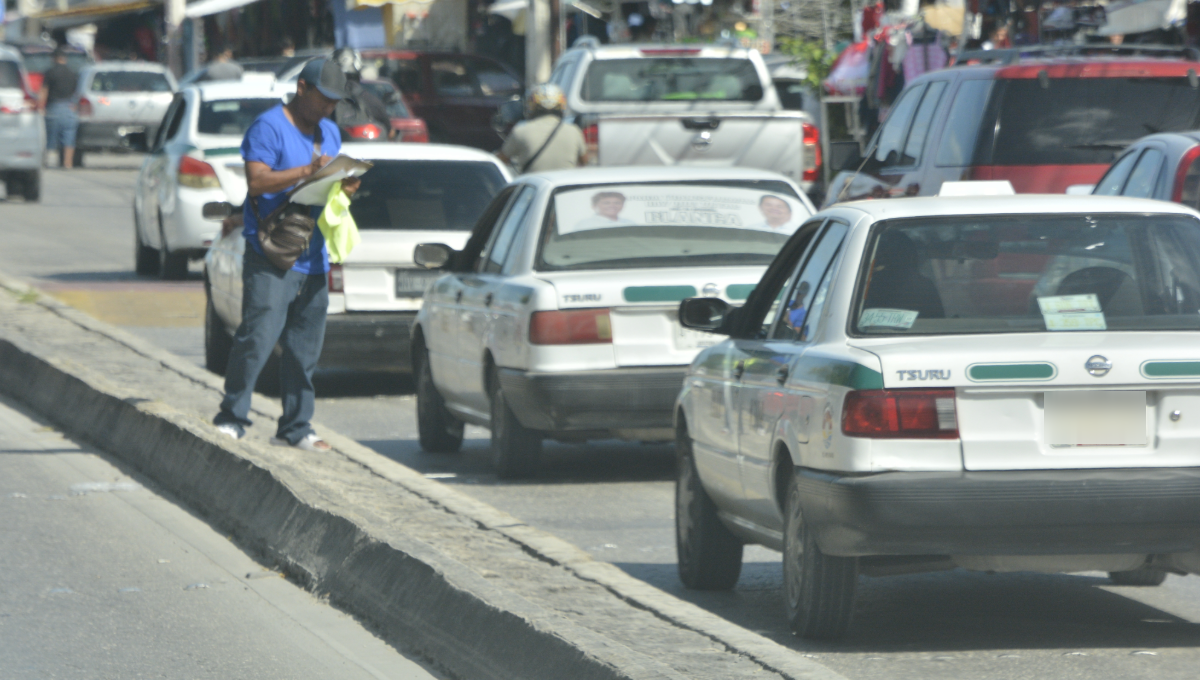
[659,293]
[739,291]
[1171,369]
[1011,372]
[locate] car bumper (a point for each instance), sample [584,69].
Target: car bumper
[114,136]
[616,399]
[368,341]
[22,145]
[188,231]
[1027,512]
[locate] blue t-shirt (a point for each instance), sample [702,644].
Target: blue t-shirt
[275,141]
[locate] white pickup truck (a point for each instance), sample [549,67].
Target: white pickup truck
[706,105]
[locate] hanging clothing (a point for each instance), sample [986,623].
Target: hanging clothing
[923,57]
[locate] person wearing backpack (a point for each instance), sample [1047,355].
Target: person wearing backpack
[544,141]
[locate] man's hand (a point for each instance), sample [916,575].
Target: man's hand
[317,164]
[350,185]
[231,223]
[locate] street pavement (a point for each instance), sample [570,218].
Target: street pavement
[615,500]
[102,577]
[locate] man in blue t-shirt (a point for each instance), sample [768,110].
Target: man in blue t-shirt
[282,147]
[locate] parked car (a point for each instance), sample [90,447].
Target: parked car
[995,383]
[195,159]
[22,130]
[405,126]
[120,105]
[1042,118]
[1165,166]
[558,317]
[708,105]
[455,94]
[39,57]
[415,193]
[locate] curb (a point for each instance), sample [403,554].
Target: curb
[420,596]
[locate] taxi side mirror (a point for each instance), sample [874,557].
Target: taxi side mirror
[704,314]
[433,255]
[216,210]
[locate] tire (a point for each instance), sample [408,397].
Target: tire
[818,589]
[709,555]
[1146,576]
[31,188]
[439,431]
[217,342]
[171,266]
[515,448]
[145,258]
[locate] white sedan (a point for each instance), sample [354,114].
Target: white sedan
[558,318]
[195,158]
[1002,383]
[415,193]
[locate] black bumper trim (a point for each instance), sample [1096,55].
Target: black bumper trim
[361,341]
[1026,512]
[623,398]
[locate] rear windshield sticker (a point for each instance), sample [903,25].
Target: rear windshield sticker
[682,205]
[1072,313]
[887,318]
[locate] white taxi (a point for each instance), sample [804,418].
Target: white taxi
[992,383]
[559,317]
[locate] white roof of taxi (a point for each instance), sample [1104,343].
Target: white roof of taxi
[252,85]
[1020,204]
[650,173]
[391,151]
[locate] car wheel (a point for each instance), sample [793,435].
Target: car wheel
[1146,576]
[31,190]
[709,555]
[439,431]
[145,258]
[818,588]
[171,266]
[515,448]
[217,341]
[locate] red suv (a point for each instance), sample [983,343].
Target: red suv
[1042,118]
[456,94]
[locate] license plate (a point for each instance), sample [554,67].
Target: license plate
[686,338]
[411,283]
[1096,419]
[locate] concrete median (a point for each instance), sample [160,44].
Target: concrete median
[472,589]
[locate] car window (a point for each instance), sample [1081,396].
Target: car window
[10,75]
[232,116]
[505,235]
[40,62]
[1029,274]
[894,132]
[806,295]
[671,79]
[776,293]
[451,78]
[921,123]
[425,195]
[1114,180]
[564,74]
[791,94]
[129,81]
[962,125]
[493,80]
[161,135]
[1144,177]
[173,126]
[482,232]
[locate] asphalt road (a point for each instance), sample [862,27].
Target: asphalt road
[615,500]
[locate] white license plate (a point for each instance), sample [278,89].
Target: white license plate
[686,338]
[1096,419]
[411,283]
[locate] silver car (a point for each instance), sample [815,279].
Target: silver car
[121,105]
[22,133]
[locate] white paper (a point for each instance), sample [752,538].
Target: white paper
[1067,304]
[315,189]
[1079,321]
[879,317]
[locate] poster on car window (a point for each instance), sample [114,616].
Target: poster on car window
[676,205]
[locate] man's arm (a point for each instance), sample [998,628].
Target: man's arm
[43,96]
[261,179]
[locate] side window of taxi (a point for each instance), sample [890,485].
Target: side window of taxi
[808,288]
[777,305]
[505,233]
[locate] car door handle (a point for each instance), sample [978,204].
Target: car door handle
[781,375]
[458,296]
[487,300]
[738,369]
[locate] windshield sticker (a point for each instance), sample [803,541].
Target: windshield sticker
[1072,313]
[676,205]
[225,107]
[887,318]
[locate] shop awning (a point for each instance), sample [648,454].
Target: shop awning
[1137,16]
[86,13]
[204,8]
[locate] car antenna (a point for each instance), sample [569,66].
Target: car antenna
[858,171]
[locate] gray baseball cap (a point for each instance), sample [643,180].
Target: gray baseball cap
[326,76]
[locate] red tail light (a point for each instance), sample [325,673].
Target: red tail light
[28,106]
[571,327]
[591,135]
[1187,178]
[367,131]
[196,174]
[410,130]
[812,152]
[336,279]
[900,414]
[85,107]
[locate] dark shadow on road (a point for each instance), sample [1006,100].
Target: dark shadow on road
[195,275]
[332,384]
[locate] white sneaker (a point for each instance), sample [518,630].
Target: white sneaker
[230,431]
[312,442]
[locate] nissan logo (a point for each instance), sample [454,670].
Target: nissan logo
[1098,366]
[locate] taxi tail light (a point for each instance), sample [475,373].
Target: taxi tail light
[336,278]
[571,327]
[197,174]
[591,135]
[1187,178]
[812,152]
[85,107]
[900,414]
[366,131]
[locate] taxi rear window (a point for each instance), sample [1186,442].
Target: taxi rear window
[652,79]
[1030,273]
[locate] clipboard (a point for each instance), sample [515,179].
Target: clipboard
[314,190]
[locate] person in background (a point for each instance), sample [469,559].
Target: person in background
[223,67]
[283,146]
[544,141]
[287,48]
[360,106]
[998,40]
[57,100]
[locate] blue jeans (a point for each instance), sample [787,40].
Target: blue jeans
[277,307]
[61,124]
